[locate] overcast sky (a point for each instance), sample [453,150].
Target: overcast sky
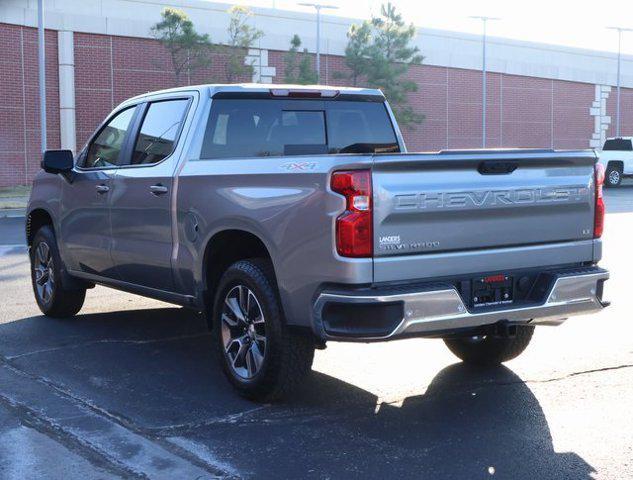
[573,23]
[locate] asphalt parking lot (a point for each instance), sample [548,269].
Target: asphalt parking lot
[130,389]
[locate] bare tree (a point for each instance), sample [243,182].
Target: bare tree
[242,36]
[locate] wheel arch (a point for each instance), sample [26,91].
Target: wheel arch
[35,219]
[225,248]
[616,164]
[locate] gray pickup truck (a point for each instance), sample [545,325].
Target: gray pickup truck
[293,215]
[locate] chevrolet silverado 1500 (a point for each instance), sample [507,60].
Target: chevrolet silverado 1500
[292,216]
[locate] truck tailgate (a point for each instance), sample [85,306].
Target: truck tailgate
[468,201]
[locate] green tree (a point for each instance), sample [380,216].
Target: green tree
[242,36]
[188,49]
[390,56]
[357,52]
[299,67]
[379,54]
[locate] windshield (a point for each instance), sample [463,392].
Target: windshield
[275,127]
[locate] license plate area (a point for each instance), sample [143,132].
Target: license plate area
[492,290]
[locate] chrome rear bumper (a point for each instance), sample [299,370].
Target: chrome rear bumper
[432,311]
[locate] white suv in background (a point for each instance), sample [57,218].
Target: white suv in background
[617,158]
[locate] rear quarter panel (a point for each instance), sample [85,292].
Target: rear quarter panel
[287,203]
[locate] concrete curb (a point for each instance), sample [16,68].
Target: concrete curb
[12,212]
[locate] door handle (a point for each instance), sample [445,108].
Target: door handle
[158,189]
[102,189]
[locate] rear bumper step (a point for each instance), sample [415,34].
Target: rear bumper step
[440,309]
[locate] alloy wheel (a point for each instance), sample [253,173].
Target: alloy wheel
[243,331]
[614,177]
[44,275]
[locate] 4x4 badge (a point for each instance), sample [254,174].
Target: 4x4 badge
[299,166]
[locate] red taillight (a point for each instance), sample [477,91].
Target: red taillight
[354,226]
[598,223]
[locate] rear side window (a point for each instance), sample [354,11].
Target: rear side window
[159,131]
[618,144]
[271,127]
[104,151]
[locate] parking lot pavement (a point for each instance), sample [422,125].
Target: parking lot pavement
[620,199]
[130,389]
[11,232]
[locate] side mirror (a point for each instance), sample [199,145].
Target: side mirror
[58,161]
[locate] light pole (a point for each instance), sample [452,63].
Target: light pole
[42,71]
[318,7]
[484,21]
[617,106]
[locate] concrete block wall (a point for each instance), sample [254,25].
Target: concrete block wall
[257,58]
[598,111]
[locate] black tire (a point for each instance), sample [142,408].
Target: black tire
[613,176]
[287,355]
[52,297]
[490,349]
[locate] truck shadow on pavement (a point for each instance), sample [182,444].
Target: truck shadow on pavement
[153,372]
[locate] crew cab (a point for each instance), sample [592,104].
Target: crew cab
[293,216]
[617,158]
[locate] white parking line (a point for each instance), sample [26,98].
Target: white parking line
[12,213]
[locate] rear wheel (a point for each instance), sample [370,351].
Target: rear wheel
[613,175]
[52,297]
[491,349]
[260,356]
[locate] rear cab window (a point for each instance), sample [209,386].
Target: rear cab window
[264,127]
[621,144]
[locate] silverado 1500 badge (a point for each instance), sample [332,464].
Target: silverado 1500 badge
[392,242]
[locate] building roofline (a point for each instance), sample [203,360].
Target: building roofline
[442,48]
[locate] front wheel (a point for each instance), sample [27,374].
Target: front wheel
[51,295]
[491,349]
[260,356]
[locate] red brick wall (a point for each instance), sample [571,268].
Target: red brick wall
[572,126]
[111,69]
[626,111]
[521,111]
[19,105]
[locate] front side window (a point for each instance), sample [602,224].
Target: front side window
[159,131]
[105,149]
[272,127]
